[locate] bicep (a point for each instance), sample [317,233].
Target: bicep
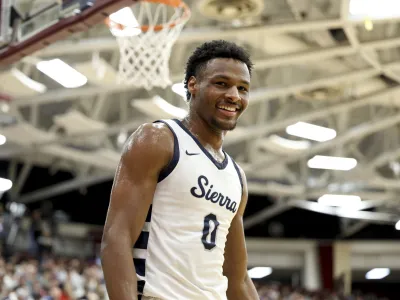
[129,202]
[235,263]
[135,183]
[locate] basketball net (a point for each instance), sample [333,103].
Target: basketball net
[146,33]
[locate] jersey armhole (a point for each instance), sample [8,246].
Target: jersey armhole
[175,157]
[238,172]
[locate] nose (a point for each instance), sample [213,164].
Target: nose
[233,94]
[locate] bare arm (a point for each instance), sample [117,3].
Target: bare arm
[240,286]
[146,153]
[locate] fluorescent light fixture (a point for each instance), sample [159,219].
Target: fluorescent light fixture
[377,273]
[346,201]
[122,137]
[397,226]
[5,184]
[332,163]
[288,144]
[169,108]
[374,9]
[17,209]
[259,272]
[5,107]
[63,73]
[395,167]
[25,80]
[179,88]
[368,25]
[125,17]
[311,132]
[3,139]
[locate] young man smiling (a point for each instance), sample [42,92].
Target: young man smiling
[178,199]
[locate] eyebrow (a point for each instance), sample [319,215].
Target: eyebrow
[228,78]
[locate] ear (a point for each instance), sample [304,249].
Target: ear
[192,85]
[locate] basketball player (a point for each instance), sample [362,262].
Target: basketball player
[174,226]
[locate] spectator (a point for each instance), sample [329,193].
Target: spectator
[41,235]
[72,279]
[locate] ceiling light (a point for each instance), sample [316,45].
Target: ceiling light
[286,143]
[332,163]
[63,73]
[122,137]
[347,201]
[259,272]
[17,209]
[5,184]
[179,88]
[4,107]
[368,25]
[25,80]
[170,109]
[126,18]
[311,132]
[397,226]
[3,139]
[377,273]
[374,9]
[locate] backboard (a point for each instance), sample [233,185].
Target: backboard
[41,23]
[25,16]
[5,15]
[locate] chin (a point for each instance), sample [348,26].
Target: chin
[224,125]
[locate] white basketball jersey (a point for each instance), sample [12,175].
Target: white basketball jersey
[179,254]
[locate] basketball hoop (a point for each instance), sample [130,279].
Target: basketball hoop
[145,33]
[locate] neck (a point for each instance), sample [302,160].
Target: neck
[206,134]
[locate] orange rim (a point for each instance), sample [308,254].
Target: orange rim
[158,27]
[174,3]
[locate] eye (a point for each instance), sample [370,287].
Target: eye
[221,83]
[242,88]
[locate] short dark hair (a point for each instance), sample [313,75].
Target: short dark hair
[211,50]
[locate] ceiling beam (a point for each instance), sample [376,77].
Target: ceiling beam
[291,58]
[368,55]
[350,135]
[36,147]
[269,187]
[268,128]
[353,229]
[373,217]
[62,188]
[384,158]
[192,35]
[265,214]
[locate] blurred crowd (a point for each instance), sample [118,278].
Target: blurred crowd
[24,278]
[277,291]
[51,279]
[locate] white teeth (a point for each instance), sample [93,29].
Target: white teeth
[227,108]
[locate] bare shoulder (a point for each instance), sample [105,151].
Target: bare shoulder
[150,135]
[152,142]
[153,133]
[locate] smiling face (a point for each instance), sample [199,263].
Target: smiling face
[220,93]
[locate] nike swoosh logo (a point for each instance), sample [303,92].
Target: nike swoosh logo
[191,154]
